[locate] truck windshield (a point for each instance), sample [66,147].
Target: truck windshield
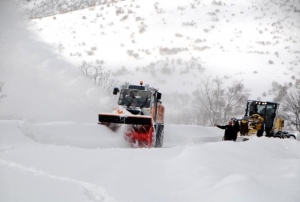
[135,98]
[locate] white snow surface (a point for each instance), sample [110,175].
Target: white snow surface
[52,149]
[71,161]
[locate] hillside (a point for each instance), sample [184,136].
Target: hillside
[174,45]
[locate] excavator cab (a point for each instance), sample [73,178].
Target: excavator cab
[261,108]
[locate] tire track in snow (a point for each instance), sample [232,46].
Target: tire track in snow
[92,191]
[8,149]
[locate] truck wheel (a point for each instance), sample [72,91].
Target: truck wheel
[159,136]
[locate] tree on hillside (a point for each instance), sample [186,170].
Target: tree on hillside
[96,72]
[1,87]
[45,8]
[279,91]
[216,102]
[291,108]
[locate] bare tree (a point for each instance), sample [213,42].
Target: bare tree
[217,103]
[208,99]
[1,87]
[236,97]
[279,91]
[291,108]
[86,68]
[96,72]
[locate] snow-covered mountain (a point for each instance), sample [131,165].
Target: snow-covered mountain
[174,45]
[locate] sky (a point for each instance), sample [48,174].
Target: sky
[52,149]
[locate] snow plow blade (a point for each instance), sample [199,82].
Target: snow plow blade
[113,118]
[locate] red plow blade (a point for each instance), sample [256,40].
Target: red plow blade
[140,129]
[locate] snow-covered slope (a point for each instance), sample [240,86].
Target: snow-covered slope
[174,45]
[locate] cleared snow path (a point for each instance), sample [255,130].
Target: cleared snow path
[93,135]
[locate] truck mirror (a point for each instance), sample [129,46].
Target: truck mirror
[116,90]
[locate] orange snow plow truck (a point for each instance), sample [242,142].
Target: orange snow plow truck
[141,111]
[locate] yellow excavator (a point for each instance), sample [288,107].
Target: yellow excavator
[262,116]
